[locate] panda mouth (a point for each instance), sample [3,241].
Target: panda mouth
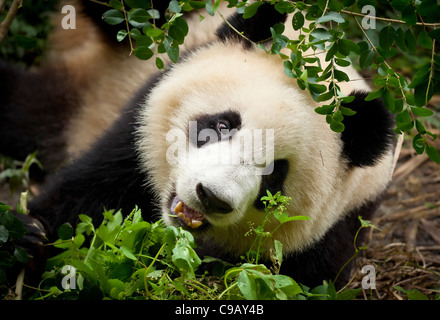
[186,216]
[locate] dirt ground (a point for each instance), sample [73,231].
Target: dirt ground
[406,252]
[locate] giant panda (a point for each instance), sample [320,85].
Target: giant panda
[177,152]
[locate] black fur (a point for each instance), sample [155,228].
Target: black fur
[273,182]
[231,118]
[106,176]
[325,259]
[369,133]
[35,107]
[256,28]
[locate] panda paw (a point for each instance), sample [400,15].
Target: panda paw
[36,235]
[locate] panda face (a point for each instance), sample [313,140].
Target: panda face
[224,126]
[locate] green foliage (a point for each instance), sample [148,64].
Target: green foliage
[128,258]
[28,32]
[17,172]
[415,294]
[131,259]
[406,29]
[12,257]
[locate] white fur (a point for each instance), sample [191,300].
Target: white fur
[222,77]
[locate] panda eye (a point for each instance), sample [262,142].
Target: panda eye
[222,125]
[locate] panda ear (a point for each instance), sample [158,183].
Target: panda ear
[256,28]
[368,134]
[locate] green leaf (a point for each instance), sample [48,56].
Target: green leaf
[418,143]
[331,16]
[298,20]
[423,93]
[337,126]
[174,6]
[399,5]
[143,53]
[435,34]
[341,75]
[65,231]
[387,100]
[178,30]
[21,255]
[159,63]
[366,59]
[342,62]
[287,285]
[324,97]
[285,7]
[331,52]
[247,285]
[421,75]
[121,35]
[113,17]
[420,127]
[127,252]
[400,39]
[321,34]
[409,15]
[278,251]
[346,45]
[403,118]
[386,37]
[317,88]
[433,153]
[424,40]
[197,4]
[115,4]
[347,111]
[251,10]
[153,32]
[410,40]
[172,49]
[422,112]
[138,17]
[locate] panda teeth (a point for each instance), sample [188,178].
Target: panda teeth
[192,223]
[178,208]
[195,224]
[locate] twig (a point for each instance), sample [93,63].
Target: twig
[19,285]
[6,23]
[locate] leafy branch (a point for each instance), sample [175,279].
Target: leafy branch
[413,28]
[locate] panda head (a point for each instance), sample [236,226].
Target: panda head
[225,125]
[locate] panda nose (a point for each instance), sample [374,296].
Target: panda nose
[210,201]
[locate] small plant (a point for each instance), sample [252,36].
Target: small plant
[12,257]
[274,207]
[17,172]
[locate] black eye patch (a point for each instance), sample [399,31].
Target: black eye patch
[215,127]
[273,182]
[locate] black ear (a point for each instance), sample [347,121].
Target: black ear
[369,133]
[256,28]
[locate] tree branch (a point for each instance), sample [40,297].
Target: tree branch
[6,23]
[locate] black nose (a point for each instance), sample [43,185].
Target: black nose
[210,201]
